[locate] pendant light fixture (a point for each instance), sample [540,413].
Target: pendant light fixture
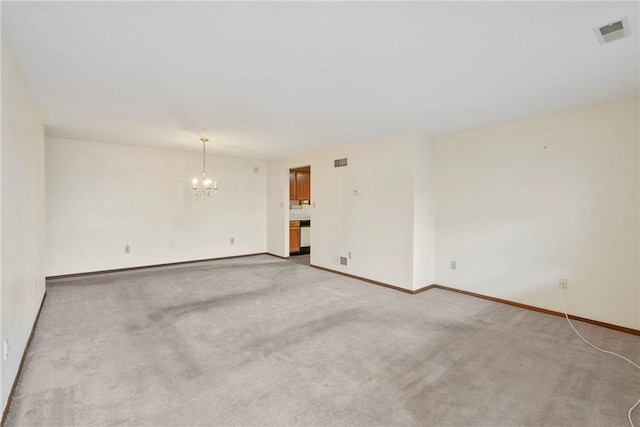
[205,188]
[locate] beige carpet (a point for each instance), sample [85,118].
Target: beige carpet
[263,341]
[300,259]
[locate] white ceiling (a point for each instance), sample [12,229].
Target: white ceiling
[272,79]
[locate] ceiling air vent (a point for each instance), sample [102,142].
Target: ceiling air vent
[339,163]
[613,31]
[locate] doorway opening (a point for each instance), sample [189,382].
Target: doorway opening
[300,214]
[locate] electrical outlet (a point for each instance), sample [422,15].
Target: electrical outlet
[563,283]
[454,265]
[232,240]
[127,249]
[5,349]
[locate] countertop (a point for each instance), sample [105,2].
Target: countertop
[300,218]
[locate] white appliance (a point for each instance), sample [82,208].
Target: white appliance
[305,236]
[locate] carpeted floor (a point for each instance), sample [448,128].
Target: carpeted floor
[300,259]
[263,341]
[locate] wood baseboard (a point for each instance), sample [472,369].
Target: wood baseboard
[542,310]
[375,282]
[119,270]
[16,380]
[424,288]
[500,300]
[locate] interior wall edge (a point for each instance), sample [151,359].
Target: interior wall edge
[22,235]
[16,380]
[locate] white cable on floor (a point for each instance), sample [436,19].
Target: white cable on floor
[599,349]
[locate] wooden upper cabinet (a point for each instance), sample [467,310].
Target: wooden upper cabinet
[303,185]
[300,185]
[292,185]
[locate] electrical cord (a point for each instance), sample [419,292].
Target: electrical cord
[601,350]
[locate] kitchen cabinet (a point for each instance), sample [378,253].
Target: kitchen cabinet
[300,185]
[292,185]
[303,185]
[294,236]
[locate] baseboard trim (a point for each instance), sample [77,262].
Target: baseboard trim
[16,380]
[142,267]
[374,282]
[425,288]
[542,310]
[499,300]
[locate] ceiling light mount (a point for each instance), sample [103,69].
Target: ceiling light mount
[205,188]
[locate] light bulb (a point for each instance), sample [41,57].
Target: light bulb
[194,181]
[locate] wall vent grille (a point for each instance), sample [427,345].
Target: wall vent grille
[338,163]
[613,31]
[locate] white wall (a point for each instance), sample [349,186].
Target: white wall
[278,207]
[22,215]
[102,197]
[521,204]
[377,227]
[424,213]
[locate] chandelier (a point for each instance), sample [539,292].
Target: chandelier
[205,188]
